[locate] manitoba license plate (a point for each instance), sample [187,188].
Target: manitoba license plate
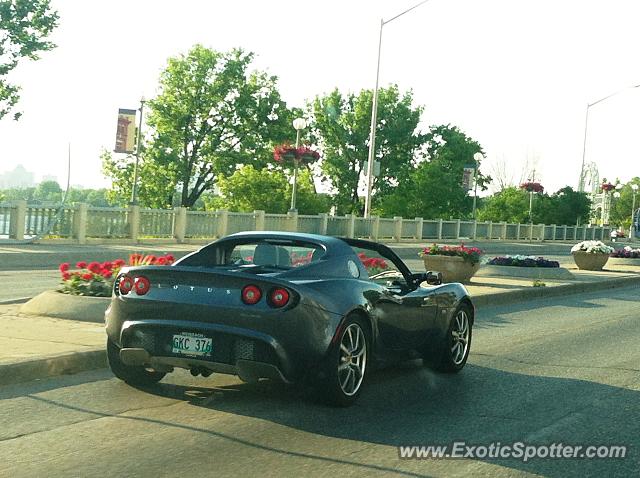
[192,344]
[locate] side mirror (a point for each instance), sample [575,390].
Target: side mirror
[431,278]
[434,278]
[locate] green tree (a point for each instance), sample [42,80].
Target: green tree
[564,207]
[509,205]
[249,189]
[341,126]
[433,189]
[48,191]
[24,28]
[621,207]
[211,115]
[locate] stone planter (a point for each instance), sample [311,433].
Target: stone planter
[589,261]
[453,268]
[52,303]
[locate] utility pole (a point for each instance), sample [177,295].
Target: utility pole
[134,189]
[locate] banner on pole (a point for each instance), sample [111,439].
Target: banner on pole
[126,131]
[467,178]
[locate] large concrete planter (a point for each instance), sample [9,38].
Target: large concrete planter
[590,261]
[454,269]
[52,303]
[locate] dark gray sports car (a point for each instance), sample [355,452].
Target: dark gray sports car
[285,306]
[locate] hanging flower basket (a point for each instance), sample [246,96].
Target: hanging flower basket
[607,187]
[532,187]
[303,154]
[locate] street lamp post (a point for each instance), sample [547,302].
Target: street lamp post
[134,188]
[586,125]
[374,115]
[477,157]
[298,124]
[632,229]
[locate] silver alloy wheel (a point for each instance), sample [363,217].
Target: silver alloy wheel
[353,359]
[460,337]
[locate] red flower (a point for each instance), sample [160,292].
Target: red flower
[81,264]
[169,258]
[64,267]
[95,267]
[161,261]
[87,276]
[118,263]
[107,265]
[66,276]
[106,274]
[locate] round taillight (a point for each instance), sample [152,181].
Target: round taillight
[251,294]
[125,285]
[141,285]
[279,297]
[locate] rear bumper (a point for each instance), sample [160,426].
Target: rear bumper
[244,352]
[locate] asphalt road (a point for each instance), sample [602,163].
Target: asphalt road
[565,371]
[26,284]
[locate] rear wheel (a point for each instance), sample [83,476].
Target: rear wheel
[346,365]
[133,375]
[457,342]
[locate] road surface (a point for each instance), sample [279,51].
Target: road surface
[562,371]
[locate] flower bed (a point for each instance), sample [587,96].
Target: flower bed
[626,253]
[523,261]
[96,278]
[374,265]
[468,254]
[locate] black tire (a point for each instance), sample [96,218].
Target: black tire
[345,368]
[133,375]
[454,353]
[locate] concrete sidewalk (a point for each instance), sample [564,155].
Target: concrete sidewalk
[35,347]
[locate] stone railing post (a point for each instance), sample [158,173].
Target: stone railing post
[375,228]
[222,216]
[18,220]
[133,221]
[397,228]
[80,223]
[180,225]
[553,232]
[518,229]
[543,230]
[458,229]
[351,225]
[503,236]
[259,217]
[439,229]
[293,221]
[474,230]
[324,223]
[490,230]
[419,224]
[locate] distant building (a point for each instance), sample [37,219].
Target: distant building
[18,178]
[49,177]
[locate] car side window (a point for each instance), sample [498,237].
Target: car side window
[380,270]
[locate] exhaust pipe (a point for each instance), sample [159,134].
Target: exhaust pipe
[200,371]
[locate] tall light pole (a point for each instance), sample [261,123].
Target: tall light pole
[298,124]
[374,115]
[477,157]
[586,125]
[134,189]
[632,229]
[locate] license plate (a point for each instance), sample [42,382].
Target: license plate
[192,344]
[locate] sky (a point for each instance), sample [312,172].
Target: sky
[515,75]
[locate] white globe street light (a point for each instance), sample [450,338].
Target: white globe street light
[298,124]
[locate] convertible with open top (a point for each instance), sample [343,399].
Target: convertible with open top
[285,306]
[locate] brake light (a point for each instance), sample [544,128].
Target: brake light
[141,285]
[125,285]
[251,294]
[279,297]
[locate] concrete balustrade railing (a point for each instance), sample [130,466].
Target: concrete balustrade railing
[82,223]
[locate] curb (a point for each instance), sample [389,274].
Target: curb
[516,296]
[19,300]
[52,366]
[51,303]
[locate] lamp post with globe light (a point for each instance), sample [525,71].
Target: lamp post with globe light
[298,124]
[477,157]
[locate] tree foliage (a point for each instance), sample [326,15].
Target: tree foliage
[211,114]
[564,207]
[249,189]
[620,214]
[340,125]
[433,189]
[24,28]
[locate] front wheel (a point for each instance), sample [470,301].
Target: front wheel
[457,342]
[133,375]
[346,364]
